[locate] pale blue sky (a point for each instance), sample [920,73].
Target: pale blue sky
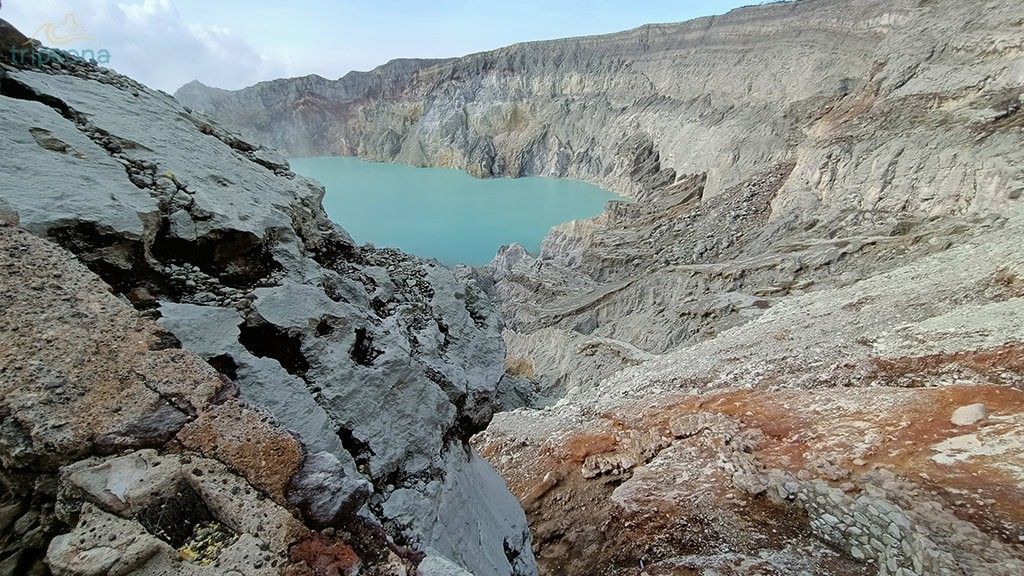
[235,43]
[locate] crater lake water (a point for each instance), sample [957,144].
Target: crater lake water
[446,214]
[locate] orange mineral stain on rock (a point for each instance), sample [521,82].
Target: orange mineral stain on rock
[250,442]
[326,556]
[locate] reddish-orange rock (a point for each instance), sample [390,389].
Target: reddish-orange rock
[326,556]
[250,442]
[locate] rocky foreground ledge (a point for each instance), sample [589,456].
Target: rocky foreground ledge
[201,374]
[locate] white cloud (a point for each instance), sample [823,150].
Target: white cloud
[149,41]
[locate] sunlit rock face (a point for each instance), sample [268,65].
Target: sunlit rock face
[727,96]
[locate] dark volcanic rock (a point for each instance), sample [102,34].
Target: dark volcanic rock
[324,493]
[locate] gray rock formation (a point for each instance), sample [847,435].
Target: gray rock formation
[381,364]
[828,198]
[324,493]
[311,102]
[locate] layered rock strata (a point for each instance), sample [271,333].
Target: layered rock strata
[728,96]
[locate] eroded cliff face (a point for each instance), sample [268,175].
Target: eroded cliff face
[759,376]
[798,350]
[925,155]
[617,110]
[727,96]
[342,383]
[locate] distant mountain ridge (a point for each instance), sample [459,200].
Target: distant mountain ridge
[578,107]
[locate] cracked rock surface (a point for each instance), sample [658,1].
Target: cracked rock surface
[340,382]
[759,366]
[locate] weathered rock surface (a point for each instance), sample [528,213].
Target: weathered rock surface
[359,374]
[968,415]
[85,377]
[751,369]
[72,385]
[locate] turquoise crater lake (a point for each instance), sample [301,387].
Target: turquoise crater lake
[446,214]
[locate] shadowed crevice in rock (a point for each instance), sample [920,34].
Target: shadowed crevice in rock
[380,308]
[174,519]
[165,341]
[11,88]
[324,327]
[27,522]
[360,450]
[511,554]
[224,364]
[464,428]
[269,341]
[121,261]
[238,259]
[363,352]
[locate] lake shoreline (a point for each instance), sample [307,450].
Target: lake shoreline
[447,214]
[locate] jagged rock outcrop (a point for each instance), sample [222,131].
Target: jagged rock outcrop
[120,452]
[359,374]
